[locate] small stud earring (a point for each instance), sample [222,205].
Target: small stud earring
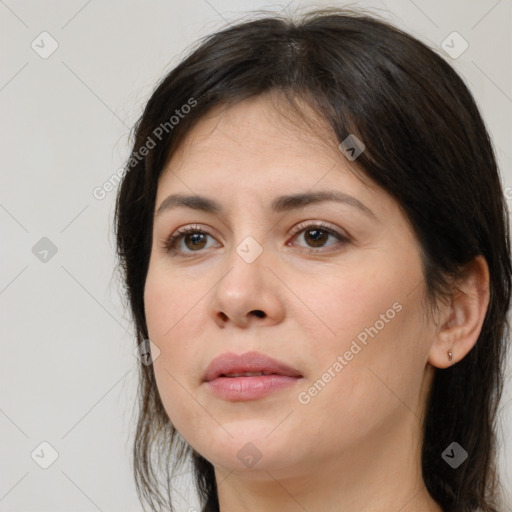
[450,355]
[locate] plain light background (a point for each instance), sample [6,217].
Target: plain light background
[67,370]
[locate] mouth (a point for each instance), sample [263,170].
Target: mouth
[241,388]
[250,364]
[249,376]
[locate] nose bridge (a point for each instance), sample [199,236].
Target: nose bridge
[247,291]
[249,250]
[245,284]
[249,228]
[247,259]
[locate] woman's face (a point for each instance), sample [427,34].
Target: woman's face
[345,311]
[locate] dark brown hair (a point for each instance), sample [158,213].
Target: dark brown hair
[426,145]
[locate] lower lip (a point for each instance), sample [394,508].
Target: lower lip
[249,388]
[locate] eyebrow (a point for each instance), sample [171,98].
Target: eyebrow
[279,204]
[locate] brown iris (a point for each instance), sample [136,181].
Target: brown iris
[195,240]
[319,237]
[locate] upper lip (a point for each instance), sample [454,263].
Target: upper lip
[248,362]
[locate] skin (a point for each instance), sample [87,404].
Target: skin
[355,446]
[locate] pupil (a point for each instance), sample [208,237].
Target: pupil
[317,236]
[194,239]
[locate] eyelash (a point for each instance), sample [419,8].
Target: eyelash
[170,243]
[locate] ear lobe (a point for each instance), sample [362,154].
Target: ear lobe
[462,323]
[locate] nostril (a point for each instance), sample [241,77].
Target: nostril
[259,313]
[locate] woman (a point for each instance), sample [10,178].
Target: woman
[313,236]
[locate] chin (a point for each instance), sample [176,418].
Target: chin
[252,455]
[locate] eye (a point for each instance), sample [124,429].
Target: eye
[194,238]
[317,234]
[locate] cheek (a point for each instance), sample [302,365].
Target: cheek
[369,335]
[169,303]
[172,309]
[346,304]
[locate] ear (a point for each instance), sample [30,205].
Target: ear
[461,321]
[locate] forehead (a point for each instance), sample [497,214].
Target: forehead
[260,123]
[260,138]
[249,156]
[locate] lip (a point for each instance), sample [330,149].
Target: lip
[248,387]
[247,362]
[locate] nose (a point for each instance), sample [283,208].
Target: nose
[248,292]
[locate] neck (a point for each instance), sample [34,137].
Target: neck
[376,476]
